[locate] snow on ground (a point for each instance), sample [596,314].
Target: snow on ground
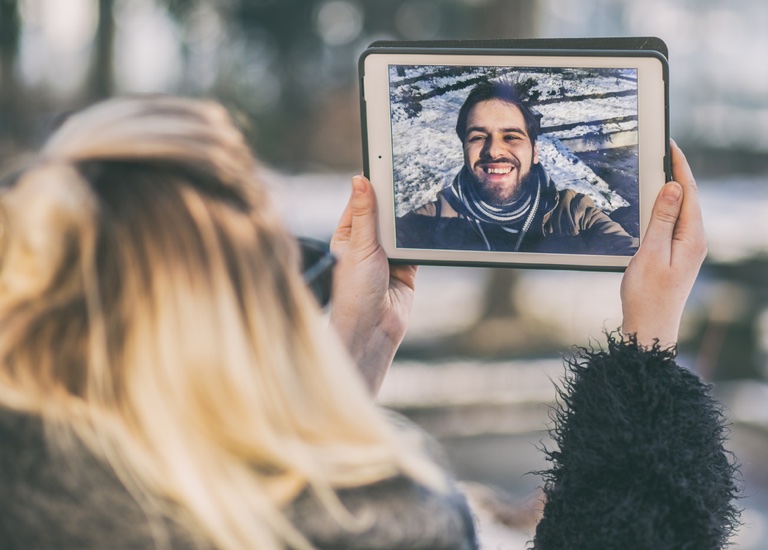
[427,153]
[569,82]
[586,129]
[568,172]
[587,110]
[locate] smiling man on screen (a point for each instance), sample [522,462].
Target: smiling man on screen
[502,199]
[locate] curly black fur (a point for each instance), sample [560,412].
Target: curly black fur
[640,461]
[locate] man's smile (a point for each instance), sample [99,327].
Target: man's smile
[497,169]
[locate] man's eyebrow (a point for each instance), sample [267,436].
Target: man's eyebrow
[511,130]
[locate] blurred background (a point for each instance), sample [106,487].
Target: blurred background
[477,365]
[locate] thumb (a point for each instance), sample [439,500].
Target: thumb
[364,238]
[664,216]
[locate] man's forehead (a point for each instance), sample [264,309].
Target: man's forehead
[497,111]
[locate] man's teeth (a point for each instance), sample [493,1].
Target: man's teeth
[505,170]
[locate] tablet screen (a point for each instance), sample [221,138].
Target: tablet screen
[486,144]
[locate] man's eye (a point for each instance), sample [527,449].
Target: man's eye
[512,137]
[476,138]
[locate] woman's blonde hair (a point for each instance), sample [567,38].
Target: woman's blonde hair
[151,303]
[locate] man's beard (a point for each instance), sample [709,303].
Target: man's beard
[494,197]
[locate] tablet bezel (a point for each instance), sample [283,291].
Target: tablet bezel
[653,141]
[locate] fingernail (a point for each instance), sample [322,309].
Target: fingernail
[672,191]
[358,185]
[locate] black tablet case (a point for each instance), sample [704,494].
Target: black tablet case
[636,43]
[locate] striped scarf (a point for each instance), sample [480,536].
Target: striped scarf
[514,218]
[462,195]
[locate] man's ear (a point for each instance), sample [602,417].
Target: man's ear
[536,153]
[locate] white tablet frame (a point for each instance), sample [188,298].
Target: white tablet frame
[653,142]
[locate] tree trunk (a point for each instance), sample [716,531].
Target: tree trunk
[100,81]
[497,299]
[11,127]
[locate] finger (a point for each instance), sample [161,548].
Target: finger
[681,170]
[405,274]
[363,238]
[664,216]
[690,217]
[690,226]
[343,231]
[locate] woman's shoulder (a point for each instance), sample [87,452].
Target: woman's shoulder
[65,497]
[394,513]
[83,504]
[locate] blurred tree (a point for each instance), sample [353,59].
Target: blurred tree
[10,94]
[289,66]
[100,79]
[309,49]
[180,9]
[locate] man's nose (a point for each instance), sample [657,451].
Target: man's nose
[492,148]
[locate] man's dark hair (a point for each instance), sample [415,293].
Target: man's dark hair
[502,91]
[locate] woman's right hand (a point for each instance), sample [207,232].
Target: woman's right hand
[371,299]
[660,276]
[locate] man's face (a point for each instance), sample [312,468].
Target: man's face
[498,150]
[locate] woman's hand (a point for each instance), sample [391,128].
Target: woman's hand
[371,300]
[661,274]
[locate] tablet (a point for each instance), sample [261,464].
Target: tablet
[522,157]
